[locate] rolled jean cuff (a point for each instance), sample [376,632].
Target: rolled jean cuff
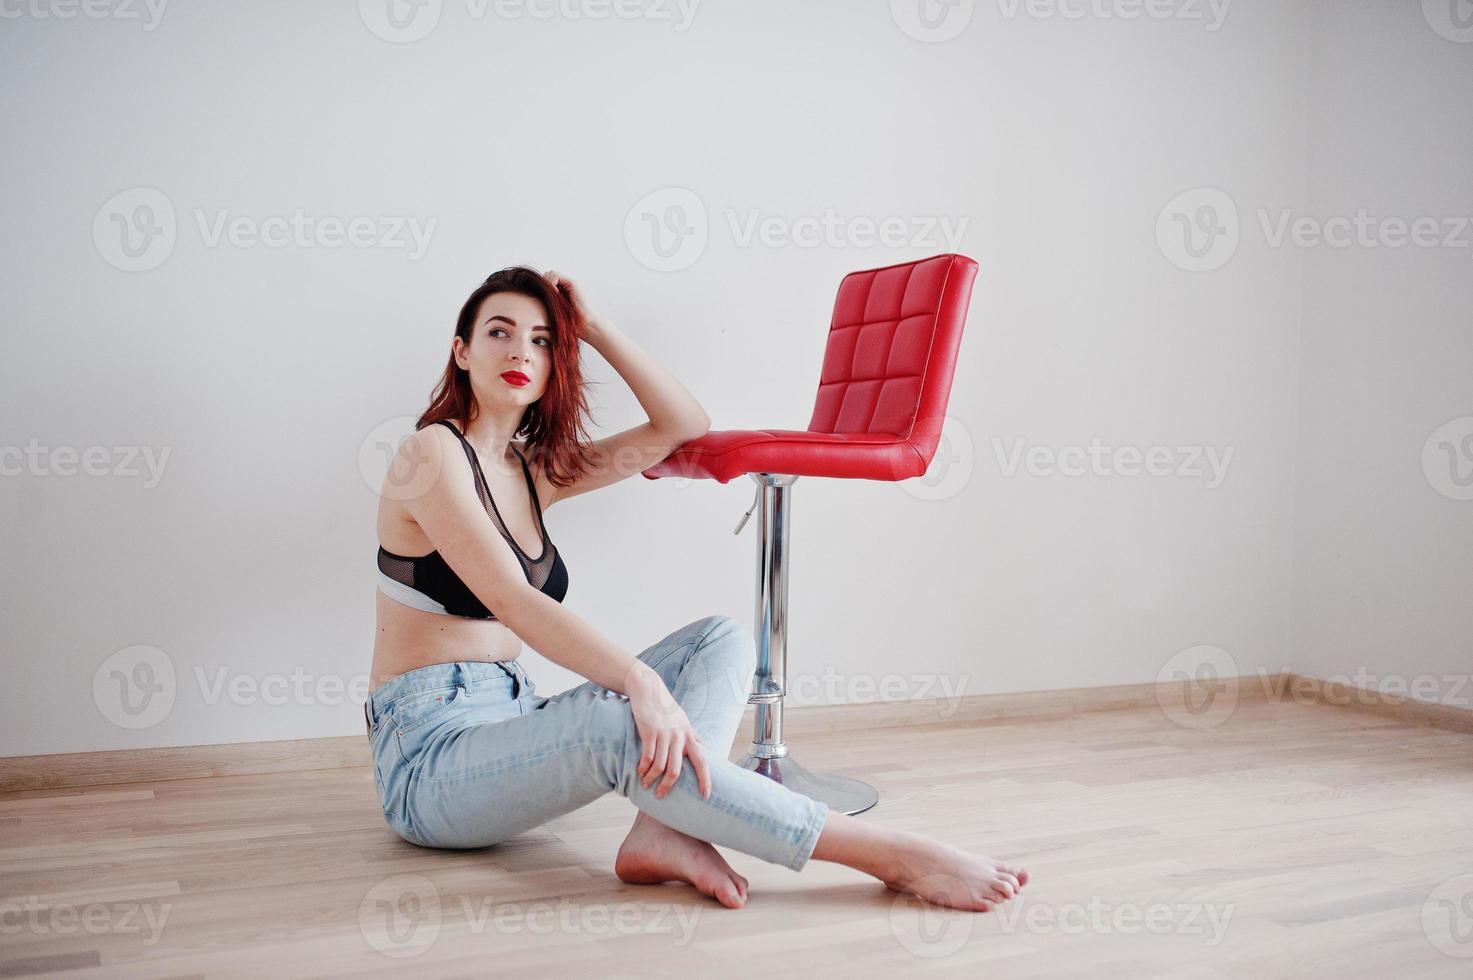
[818,812]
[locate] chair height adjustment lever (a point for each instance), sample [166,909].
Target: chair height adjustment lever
[748,515]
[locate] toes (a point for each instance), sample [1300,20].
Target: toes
[727,894]
[1018,873]
[1011,879]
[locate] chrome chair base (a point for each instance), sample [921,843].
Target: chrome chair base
[841,793]
[769,753]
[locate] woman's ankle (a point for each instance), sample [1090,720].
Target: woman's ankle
[877,851]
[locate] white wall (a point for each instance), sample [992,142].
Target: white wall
[1384,535]
[262,371]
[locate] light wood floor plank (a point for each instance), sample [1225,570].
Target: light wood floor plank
[1295,840]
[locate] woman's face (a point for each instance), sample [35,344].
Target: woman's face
[510,335]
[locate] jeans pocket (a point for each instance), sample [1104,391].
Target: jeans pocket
[408,712]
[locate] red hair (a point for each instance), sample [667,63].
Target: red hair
[554,424]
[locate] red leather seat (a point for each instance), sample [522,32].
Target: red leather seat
[882,395]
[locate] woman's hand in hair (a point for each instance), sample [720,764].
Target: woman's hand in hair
[592,323]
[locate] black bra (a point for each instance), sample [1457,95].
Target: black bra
[426,582]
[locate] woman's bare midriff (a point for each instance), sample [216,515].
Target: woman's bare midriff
[409,638]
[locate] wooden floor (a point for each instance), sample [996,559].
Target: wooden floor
[1296,840]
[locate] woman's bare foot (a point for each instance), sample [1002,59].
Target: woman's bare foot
[945,875]
[653,853]
[907,862]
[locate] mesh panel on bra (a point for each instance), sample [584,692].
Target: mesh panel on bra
[430,574]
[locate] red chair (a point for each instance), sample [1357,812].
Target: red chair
[882,396]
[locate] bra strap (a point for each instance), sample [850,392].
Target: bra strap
[531,483]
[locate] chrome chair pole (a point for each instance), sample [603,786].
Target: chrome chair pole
[769,752]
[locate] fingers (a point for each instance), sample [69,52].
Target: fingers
[672,772]
[559,281]
[646,754]
[702,770]
[659,752]
[666,757]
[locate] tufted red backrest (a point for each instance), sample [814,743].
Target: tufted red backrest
[892,350]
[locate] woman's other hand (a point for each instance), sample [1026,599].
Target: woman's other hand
[665,735]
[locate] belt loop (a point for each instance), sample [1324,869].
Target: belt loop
[462,677]
[510,666]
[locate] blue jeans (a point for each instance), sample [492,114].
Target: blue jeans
[467,754]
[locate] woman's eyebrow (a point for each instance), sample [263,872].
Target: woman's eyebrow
[507,319]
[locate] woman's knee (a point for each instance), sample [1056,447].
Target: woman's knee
[731,639]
